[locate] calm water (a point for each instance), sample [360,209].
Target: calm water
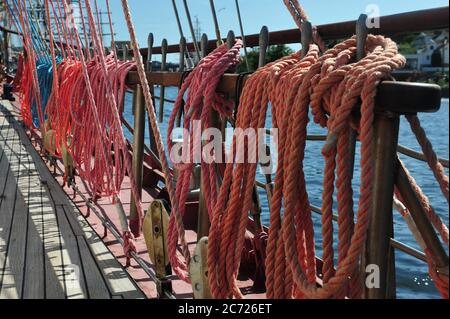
[413,280]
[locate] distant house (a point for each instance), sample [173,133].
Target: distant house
[432,53]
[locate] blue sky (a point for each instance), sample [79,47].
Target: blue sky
[157,16]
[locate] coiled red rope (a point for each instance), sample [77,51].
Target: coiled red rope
[202,100]
[331,84]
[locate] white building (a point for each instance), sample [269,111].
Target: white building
[427,46]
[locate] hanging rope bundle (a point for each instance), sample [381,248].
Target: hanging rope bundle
[59,106]
[35,47]
[333,86]
[104,174]
[26,93]
[299,15]
[336,86]
[81,123]
[36,53]
[101,152]
[202,100]
[229,222]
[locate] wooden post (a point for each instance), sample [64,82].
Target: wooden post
[125,52]
[263,46]
[379,251]
[162,94]
[361,38]
[204,45]
[138,153]
[6,50]
[181,69]
[150,42]
[149,68]
[182,54]
[307,37]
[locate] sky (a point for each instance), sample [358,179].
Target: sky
[157,16]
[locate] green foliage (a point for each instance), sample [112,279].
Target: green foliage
[252,57]
[275,52]
[406,48]
[440,79]
[405,42]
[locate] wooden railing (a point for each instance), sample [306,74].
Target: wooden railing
[392,25]
[393,100]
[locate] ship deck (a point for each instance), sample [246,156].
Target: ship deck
[47,248]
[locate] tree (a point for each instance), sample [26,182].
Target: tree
[275,52]
[405,43]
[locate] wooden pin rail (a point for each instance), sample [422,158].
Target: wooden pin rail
[396,97]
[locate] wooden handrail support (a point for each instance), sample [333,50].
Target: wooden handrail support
[397,97]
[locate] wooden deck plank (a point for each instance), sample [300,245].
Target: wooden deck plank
[7,204]
[74,270]
[64,257]
[6,217]
[97,289]
[55,284]
[111,269]
[11,286]
[39,206]
[34,277]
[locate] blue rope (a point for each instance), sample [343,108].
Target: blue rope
[45,78]
[44,66]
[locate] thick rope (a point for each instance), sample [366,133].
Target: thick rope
[202,100]
[427,148]
[159,143]
[332,84]
[299,15]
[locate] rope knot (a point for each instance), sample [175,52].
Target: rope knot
[129,246]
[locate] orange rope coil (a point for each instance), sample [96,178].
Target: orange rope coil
[333,85]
